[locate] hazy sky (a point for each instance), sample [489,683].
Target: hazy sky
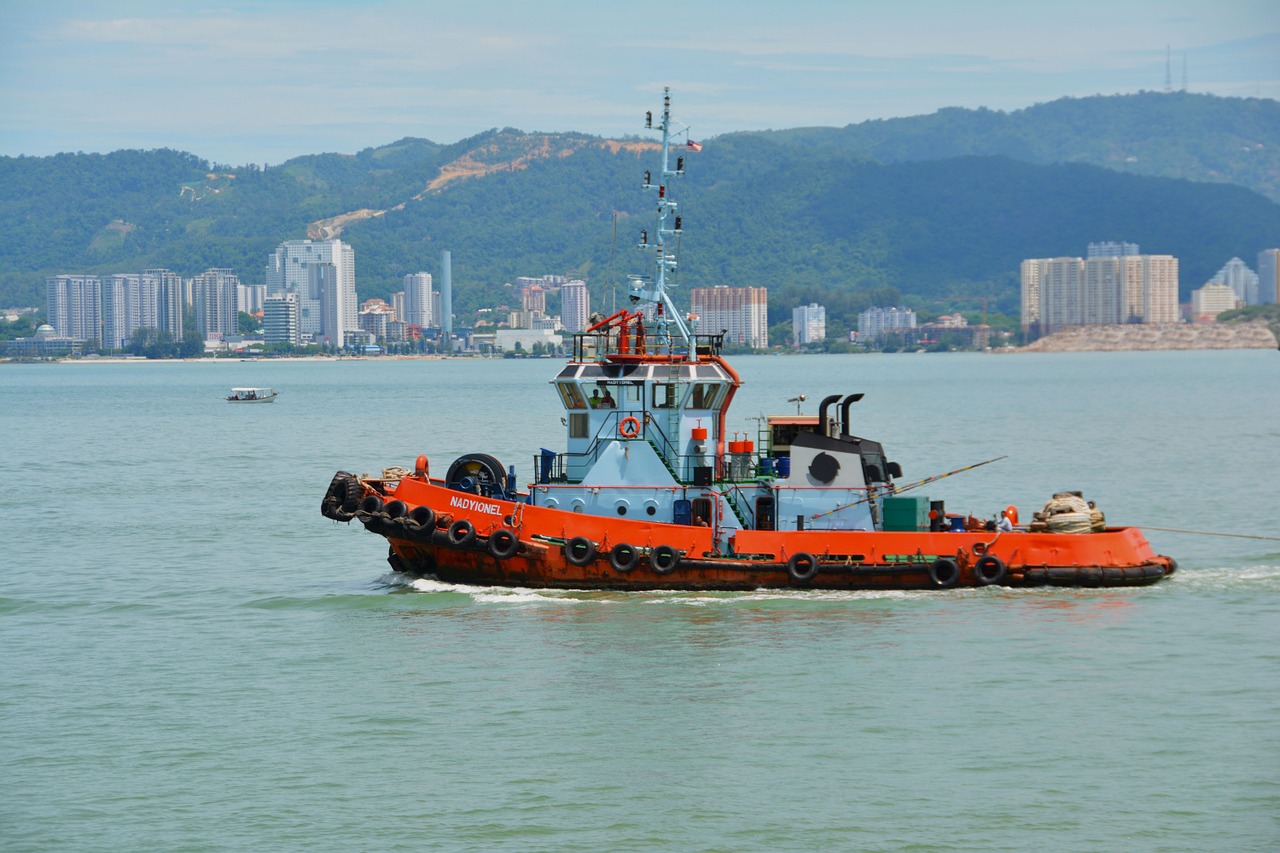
[259,81]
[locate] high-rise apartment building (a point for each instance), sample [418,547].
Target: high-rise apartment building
[1236,275]
[808,324]
[875,322]
[1032,307]
[534,298]
[249,298]
[280,322]
[1269,276]
[74,304]
[418,300]
[216,292]
[1152,289]
[1115,285]
[741,312]
[288,271]
[575,306]
[121,309]
[171,301]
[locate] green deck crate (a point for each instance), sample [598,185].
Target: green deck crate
[906,512]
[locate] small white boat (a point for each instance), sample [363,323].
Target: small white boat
[252,395]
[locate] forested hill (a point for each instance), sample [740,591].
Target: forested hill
[838,216]
[1171,135]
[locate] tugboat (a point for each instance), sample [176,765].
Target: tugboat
[651,493]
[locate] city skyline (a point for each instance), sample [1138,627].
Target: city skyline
[223,83]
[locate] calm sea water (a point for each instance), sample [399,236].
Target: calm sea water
[193,659]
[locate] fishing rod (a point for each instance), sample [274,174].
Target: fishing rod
[897,490]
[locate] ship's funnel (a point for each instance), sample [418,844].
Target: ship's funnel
[827,402]
[844,412]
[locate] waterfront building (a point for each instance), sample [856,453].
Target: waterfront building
[289,271]
[575,306]
[808,324]
[171,299]
[74,304]
[742,313]
[249,298]
[418,300]
[1244,281]
[280,321]
[215,292]
[1102,300]
[121,295]
[1061,293]
[1151,287]
[1115,285]
[1269,276]
[1032,310]
[45,343]
[1210,301]
[523,340]
[875,322]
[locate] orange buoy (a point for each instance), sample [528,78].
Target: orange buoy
[629,427]
[420,466]
[1011,513]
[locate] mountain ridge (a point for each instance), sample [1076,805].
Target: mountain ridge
[853,226]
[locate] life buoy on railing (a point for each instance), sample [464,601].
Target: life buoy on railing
[802,567]
[629,427]
[989,570]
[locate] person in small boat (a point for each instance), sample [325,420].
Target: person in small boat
[608,402]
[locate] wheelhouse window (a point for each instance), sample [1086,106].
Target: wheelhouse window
[664,395]
[579,423]
[704,396]
[571,395]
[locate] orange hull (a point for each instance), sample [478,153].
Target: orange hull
[486,541]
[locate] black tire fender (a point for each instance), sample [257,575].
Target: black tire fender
[503,543]
[461,533]
[395,509]
[944,572]
[623,557]
[421,518]
[664,559]
[802,567]
[989,570]
[370,505]
[580,551]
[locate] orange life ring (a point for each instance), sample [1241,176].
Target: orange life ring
[629,427]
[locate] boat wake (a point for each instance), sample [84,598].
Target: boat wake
[1258,576]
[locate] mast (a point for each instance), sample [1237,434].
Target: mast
[652,289]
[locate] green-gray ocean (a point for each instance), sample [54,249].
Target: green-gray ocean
[193,659]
